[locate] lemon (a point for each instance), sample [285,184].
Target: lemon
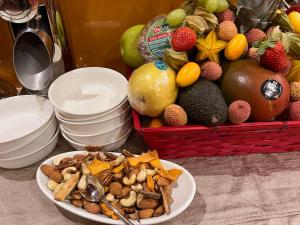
[294,18]
[188,74]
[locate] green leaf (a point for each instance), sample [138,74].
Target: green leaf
[261,50]
[280,18]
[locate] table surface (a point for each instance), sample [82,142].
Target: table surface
[248,190]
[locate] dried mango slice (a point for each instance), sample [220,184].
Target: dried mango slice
[176,173]
[149,156]
[156,164]
[98,166]
[133,161]
[170,174]
[118,169]
[150,182]
[108,212]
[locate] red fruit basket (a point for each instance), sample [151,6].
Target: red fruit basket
[226,140]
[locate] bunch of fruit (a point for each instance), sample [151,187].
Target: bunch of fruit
[210,63]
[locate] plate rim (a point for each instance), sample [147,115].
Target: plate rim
[155,220]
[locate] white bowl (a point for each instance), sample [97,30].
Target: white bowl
[89,91]
[90,128]
[114,112]
[113,146]
[183,194]
[105,137]
[23,118]
[40,141]
[31,158]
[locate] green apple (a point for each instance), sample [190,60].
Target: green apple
[129,46]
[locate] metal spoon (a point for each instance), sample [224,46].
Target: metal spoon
[95,193]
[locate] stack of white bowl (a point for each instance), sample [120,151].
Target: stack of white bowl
[92,106]
[28,130]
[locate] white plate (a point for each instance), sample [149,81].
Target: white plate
[31,158]
[40,141]
[23,118]
[183,194]
[87,91]
[105,146]
[104,137]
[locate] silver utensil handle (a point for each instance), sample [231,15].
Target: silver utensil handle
[125,220]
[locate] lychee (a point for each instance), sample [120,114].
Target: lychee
[227,15]
[175,115]
[227,30]
[239,112]
[295,91]
[211,71]
[255,35]
[253,54]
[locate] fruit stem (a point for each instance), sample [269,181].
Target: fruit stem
[286,4]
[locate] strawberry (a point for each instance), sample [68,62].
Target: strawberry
[273,56]
[184,39]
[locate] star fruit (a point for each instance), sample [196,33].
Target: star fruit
[210,47]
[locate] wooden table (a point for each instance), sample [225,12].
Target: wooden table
[248,190]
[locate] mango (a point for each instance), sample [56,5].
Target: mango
[294,18]
[236,48]
[294,74]
[188,74]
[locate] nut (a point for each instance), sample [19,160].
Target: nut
[84,169]
[76,195]
[129,181]
[128,202]
[129,210]
[117,176]
[142,175]
[133,216]
[118,161]
[127,153]
[79,157]
[57,159]
[159,211]
[163,181]
[70,170]
[67,177]
[153,195]
[137,187]
[110,197]
[52,185]
[134,171]
[92,207]
[77,203]
[65,164]
[150,172]
[146,213]
[139,198]
[148,203]
[125,192]
[101,156]
[52,173]
[145,187]
[110,156]
[126,167]
[115,188]
[166,202]
[106,177]
[82,184]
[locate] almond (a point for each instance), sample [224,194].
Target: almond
[159,211]
[92,207]
[146,213]
[77,203]
[115,188]
[163,181]
[148,203]
[52,173]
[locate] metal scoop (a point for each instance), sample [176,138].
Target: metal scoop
[95,193]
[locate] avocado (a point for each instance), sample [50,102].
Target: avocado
[204,103]
[267,92]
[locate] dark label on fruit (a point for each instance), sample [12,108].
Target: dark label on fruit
[155,38]
[271,89]
[161,65]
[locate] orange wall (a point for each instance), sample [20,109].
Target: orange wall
[94,27]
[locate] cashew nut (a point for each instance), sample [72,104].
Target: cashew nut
[139,198]
[151,172]
[56,160]
[129,201]
[129,181]
[85,169]
[137,187]
[119,160]
[67,173]
[142,175]
[110,197]
[82,184]
[52,185]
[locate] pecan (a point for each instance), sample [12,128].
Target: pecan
[76,195]
[127,153]
[105,178]
[90,156]
[126,167]
[79,157]
[66,159]
[153,195]
[128,210]
[101,156]
[91,148]
[63,165]
[110,156]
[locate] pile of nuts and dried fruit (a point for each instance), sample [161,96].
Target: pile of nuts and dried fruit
[138,186]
